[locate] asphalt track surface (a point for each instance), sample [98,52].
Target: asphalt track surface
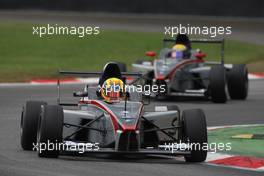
[16,162]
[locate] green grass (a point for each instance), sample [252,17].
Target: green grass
[247,147]
[24,56]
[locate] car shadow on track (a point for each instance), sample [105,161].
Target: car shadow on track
[153,159]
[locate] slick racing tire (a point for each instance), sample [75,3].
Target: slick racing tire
[195,132]
[49,134]
[122,66]
[217,85]
[237,82]
[29,122]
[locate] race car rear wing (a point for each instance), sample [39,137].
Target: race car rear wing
[213,41]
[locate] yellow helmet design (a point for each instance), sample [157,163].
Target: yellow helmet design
[179,47]
[112,90]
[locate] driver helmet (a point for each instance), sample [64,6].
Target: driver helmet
[112,90]
[178,51]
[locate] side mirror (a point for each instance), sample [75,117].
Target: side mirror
[150,53]
[199,54]
[80,94]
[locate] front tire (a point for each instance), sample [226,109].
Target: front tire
[29,122]
[195,132]
[217,80]
[50,131]
[237,82]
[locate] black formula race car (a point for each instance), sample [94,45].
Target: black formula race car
[123,127]
[191,75]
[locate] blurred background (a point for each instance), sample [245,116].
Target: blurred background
[253,8]
[127,30]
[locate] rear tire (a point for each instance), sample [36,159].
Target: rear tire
[50,130]
[217,80]
[237,82]
[195,132]
[29,122]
